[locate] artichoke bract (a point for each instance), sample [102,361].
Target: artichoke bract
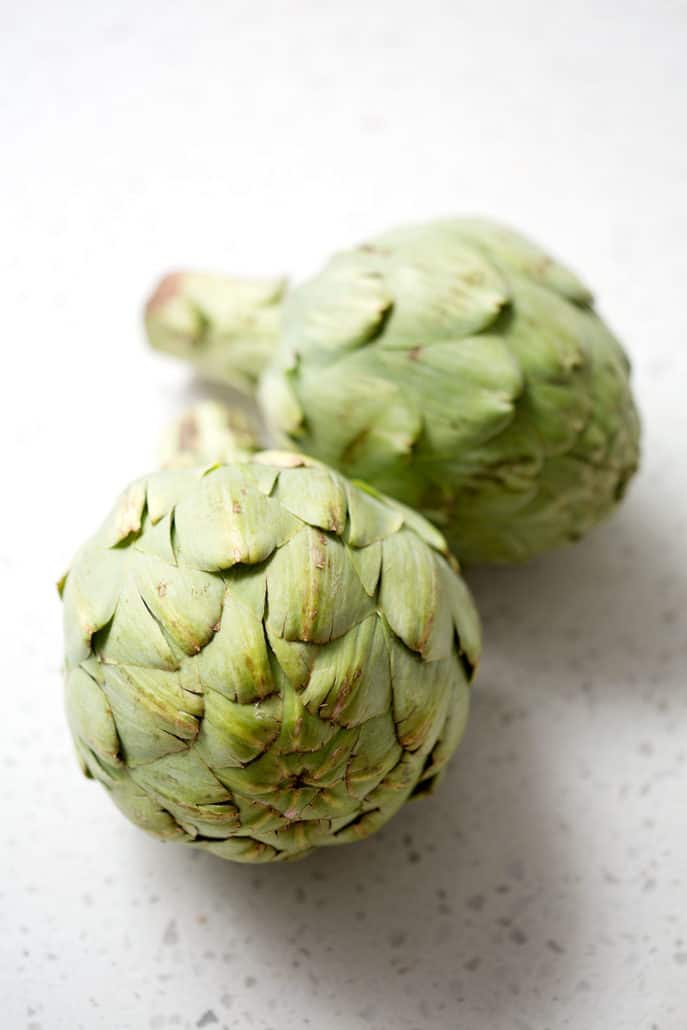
[263,658]
[460,369]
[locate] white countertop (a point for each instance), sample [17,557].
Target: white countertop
[545,885]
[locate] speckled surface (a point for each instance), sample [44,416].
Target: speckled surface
[544,886]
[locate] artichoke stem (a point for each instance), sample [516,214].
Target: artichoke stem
[227,328]
[208,433]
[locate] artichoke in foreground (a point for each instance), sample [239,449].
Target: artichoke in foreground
[263,658]
[455,366]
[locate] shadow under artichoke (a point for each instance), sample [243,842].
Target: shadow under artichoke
[439,913]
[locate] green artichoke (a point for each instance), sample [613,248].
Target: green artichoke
[263,658]
[458,368]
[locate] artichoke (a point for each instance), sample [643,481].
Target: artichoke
[263,658]
[453,365]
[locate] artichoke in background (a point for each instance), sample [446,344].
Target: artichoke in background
[263,658]
[453,365]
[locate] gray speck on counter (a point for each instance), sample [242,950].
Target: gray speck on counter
[171,935]
[207,1018]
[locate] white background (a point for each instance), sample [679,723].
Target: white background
[544,887]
